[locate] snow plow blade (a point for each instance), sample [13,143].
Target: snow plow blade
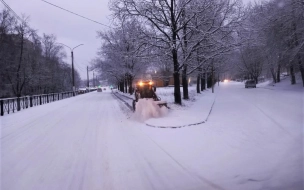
[158,102]
[162,103]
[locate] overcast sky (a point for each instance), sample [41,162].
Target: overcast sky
[68,28]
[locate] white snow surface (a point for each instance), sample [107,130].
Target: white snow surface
[252,140]
[181,117]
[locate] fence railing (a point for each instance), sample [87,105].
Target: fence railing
[11,105]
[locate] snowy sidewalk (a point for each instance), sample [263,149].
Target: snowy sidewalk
[194,115]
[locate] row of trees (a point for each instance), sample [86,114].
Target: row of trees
[180,37]
[30,64]
[274,35]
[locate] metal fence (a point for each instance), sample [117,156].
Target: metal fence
[11,105]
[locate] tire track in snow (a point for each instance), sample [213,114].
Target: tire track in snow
[273,120]
[120,97]
[203,179]
[157,173]
[40,143]
[55,149]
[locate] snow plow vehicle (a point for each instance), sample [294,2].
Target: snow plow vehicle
[146,90]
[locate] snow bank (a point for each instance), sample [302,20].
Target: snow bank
[167,94]
[147,108]
[193,113]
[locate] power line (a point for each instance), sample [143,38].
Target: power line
[79,67]
[75,13]
[10,9]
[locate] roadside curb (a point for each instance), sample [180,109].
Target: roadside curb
[130,107]
[124,96]
[182,126]
[175,127]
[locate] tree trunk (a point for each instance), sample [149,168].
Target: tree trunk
[126,85]
[198,84]
[122,86]
[212,77]
[130,85]
[177,93]
[185,83]
[273,75]
[206,80]
[18,88]
[301,68]
[302,74]
[202,83]
[292,75]
[279,73]
[296,43]
[184,74]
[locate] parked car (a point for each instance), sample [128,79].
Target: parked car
[82,90]
[250,84]
[99,90]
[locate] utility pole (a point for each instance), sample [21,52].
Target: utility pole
[206,79]
[72,55]
[88,82]
[212,75]
[93,80]
[73,71]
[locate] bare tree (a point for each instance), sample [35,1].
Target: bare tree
[29,64]
[279,27]
[17,67]
[7,23]
[164,17]
[123,53]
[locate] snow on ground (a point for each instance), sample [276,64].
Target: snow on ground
[283,85]
[252,140]
[199,111]
[167,94]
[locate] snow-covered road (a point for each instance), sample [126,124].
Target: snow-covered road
[252,140]
[84,143]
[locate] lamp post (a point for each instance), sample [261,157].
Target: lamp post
[72,56]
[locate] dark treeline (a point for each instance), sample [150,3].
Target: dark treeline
[30,64]
[273,35]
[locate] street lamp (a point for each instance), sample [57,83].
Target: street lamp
[72,55]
